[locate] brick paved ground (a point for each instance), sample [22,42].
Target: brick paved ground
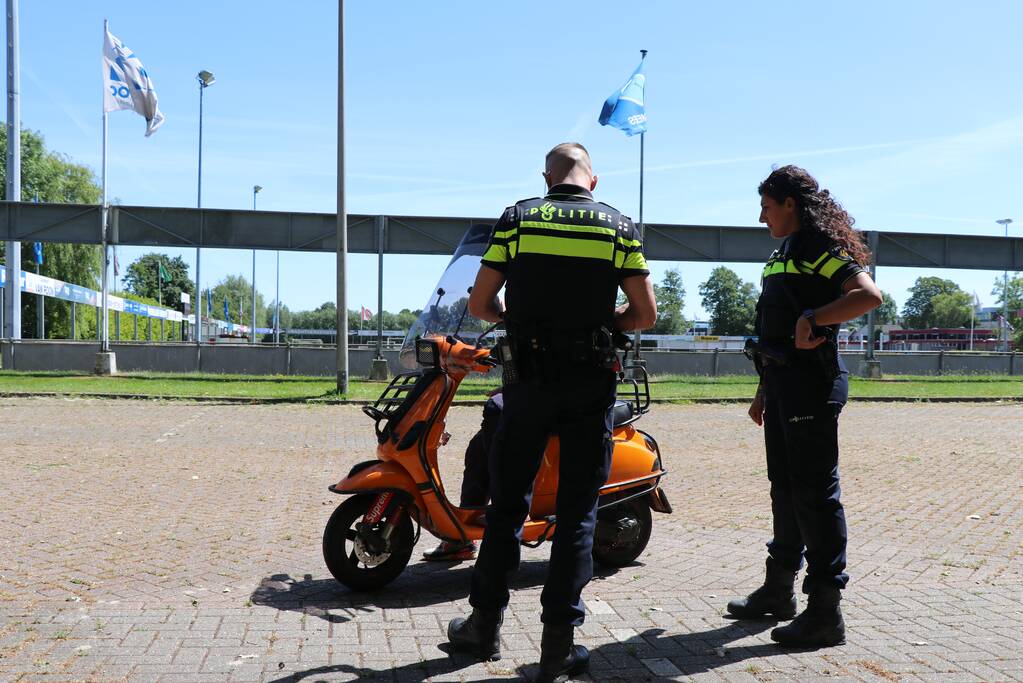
[180,542]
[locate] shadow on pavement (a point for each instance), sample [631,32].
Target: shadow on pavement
[414,673]
[422,584]
[690,653]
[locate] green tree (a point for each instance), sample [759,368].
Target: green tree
[238,292]
[952,309]
[324,317]
[406,319]
[53,178]
[885,314]
[141,278]
[1015,289]
[918,310]
[1015,302]
[732,303]
[670,296]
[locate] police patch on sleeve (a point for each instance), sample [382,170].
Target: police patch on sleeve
[839,252]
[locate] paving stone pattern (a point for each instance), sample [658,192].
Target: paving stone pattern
[161,541]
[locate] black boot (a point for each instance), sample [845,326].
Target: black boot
[776,596]
[480,634]
[819,625]
[559,656]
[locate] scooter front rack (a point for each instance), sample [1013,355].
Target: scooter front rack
[396,399]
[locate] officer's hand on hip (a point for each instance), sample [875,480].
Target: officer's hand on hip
[804,335]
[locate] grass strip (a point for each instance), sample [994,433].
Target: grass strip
[293,388]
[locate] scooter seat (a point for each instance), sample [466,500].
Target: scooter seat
[623,413]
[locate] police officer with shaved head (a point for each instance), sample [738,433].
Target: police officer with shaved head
[561,259]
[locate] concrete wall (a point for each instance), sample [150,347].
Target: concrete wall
[234,359]
[241,359]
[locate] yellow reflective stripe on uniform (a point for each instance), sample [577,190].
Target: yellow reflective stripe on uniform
[818,261]
[831,266]
[790,266]
[504,234]
[619,259]
[513,249]
[496,253]
[593,229]
[629,243]
[634,261]
[561,246]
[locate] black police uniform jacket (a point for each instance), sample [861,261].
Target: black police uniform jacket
[563,257]
[809,270]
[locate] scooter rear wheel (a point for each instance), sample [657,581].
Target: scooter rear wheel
[347,555]
[622,533]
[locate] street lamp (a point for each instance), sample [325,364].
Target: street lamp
[1004,222]
[252,334]
[205,80]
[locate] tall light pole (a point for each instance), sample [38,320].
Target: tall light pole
[277,282]
[205,80]
[277,301]
[342,215]
[1004,222]
[252,334]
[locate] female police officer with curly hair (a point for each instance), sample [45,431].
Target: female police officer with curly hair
[813,282]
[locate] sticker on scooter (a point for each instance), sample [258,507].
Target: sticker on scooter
[376,513]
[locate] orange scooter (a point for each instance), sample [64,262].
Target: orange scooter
[369,538]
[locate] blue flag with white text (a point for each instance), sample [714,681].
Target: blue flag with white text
[38,248]
[625,109]
[227,313]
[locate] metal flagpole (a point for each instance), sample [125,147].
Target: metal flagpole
[277,301]
[1004,222]
[40,304]
[381,226]
[12,300]
[104,326]
[252,334]
[642,139]
[342,217]
[973,314]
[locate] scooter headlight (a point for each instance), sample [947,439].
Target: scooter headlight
[426,353]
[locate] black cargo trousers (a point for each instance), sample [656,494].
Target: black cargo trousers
[577,407]
[801,436]
[476,475]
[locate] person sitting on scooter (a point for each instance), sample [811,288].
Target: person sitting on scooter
[561,259]
[475,481]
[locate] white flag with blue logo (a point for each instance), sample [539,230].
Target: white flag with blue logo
[126,85]
[625,108]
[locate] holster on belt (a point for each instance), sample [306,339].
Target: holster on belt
[532,353]
[764,354]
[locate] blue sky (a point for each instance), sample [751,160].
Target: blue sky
[910,112]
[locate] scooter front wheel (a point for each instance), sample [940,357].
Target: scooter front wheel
[622,532]
[358,561]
